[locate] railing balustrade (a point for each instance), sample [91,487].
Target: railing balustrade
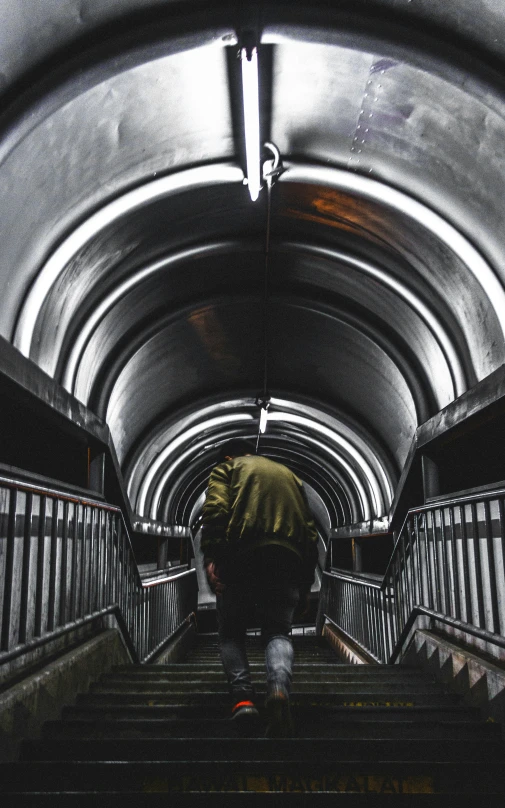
[65,561]
[448,564]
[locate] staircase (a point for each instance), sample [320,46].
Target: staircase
[365,735]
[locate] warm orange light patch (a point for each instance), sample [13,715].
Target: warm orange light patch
[333,208]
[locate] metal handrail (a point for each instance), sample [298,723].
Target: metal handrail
[448,564]
[158,581]
[66,561]
[359,580]
[22,485]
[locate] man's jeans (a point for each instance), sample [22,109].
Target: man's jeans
[268,588]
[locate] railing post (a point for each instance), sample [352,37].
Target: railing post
[491,571]
[455,564]
[24,610]
[8,610]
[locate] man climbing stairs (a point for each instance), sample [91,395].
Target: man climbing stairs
[366,735]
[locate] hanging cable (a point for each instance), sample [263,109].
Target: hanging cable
[272,169]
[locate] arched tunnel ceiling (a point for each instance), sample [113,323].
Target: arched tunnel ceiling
[132,262]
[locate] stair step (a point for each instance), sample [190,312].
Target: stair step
[257,648]
[374,672]
[323,714]
[300,682]
[164,777]
[236,750]
[260,659]
[204,697]
[319,671]
[335,686]
[301,653]
[245,799]
[103,728]
[215,664]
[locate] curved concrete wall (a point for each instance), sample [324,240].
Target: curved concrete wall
[132,262]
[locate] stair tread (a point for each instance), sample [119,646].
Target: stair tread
[279,798]
[324,687]
[182,775]
[206,690]
[425,713]
[236,750]
[153,724]
[209,698]
[298,674]
[375,670]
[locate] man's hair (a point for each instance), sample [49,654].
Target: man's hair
[236,447]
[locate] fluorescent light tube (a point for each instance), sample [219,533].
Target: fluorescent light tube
[250,92]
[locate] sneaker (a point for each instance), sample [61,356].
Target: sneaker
[280,723]
[244,714]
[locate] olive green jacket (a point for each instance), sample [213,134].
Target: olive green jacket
[253,501]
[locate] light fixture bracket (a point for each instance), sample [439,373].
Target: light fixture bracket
[272,169]
[247,41]
[263,402]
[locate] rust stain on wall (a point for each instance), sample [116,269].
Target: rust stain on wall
[213,337]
